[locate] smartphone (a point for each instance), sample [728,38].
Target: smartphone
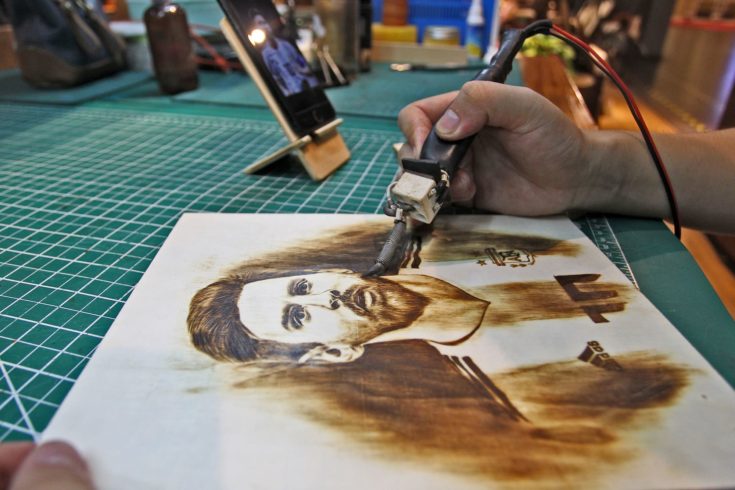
[279,64]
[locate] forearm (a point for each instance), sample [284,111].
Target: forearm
[701,168]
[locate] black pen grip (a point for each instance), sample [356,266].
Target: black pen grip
[448,154]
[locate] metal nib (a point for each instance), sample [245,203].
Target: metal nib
[389,260]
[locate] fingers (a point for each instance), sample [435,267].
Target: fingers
[53,466]
[417,119]
[463,187]
[12,455]
[478,104]
[406,151]
[481,104]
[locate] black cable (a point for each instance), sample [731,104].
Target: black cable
[542,26]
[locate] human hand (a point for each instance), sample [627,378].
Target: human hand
[528,158]
[51,466]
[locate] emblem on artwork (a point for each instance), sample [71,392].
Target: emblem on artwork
[510,257]
[595,354]
[594,302]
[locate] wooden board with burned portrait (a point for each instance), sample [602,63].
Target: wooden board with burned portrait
[507,353]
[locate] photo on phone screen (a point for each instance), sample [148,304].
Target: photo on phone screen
[280,63]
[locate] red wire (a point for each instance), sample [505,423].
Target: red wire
[639,119]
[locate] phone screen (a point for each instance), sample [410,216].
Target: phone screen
[280,63]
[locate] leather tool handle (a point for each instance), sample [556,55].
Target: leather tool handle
[448,154]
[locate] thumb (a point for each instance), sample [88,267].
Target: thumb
[53,466]
[482,103]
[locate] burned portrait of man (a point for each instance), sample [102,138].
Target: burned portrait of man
[394,361]
[504,353]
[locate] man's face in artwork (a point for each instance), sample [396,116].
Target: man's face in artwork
[327,307]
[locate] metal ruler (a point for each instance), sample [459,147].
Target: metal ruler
[598,229]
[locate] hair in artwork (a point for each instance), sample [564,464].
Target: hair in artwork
[215,327]
[405,400]
[355,247]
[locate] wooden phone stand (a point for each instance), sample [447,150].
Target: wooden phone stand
[321,152]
